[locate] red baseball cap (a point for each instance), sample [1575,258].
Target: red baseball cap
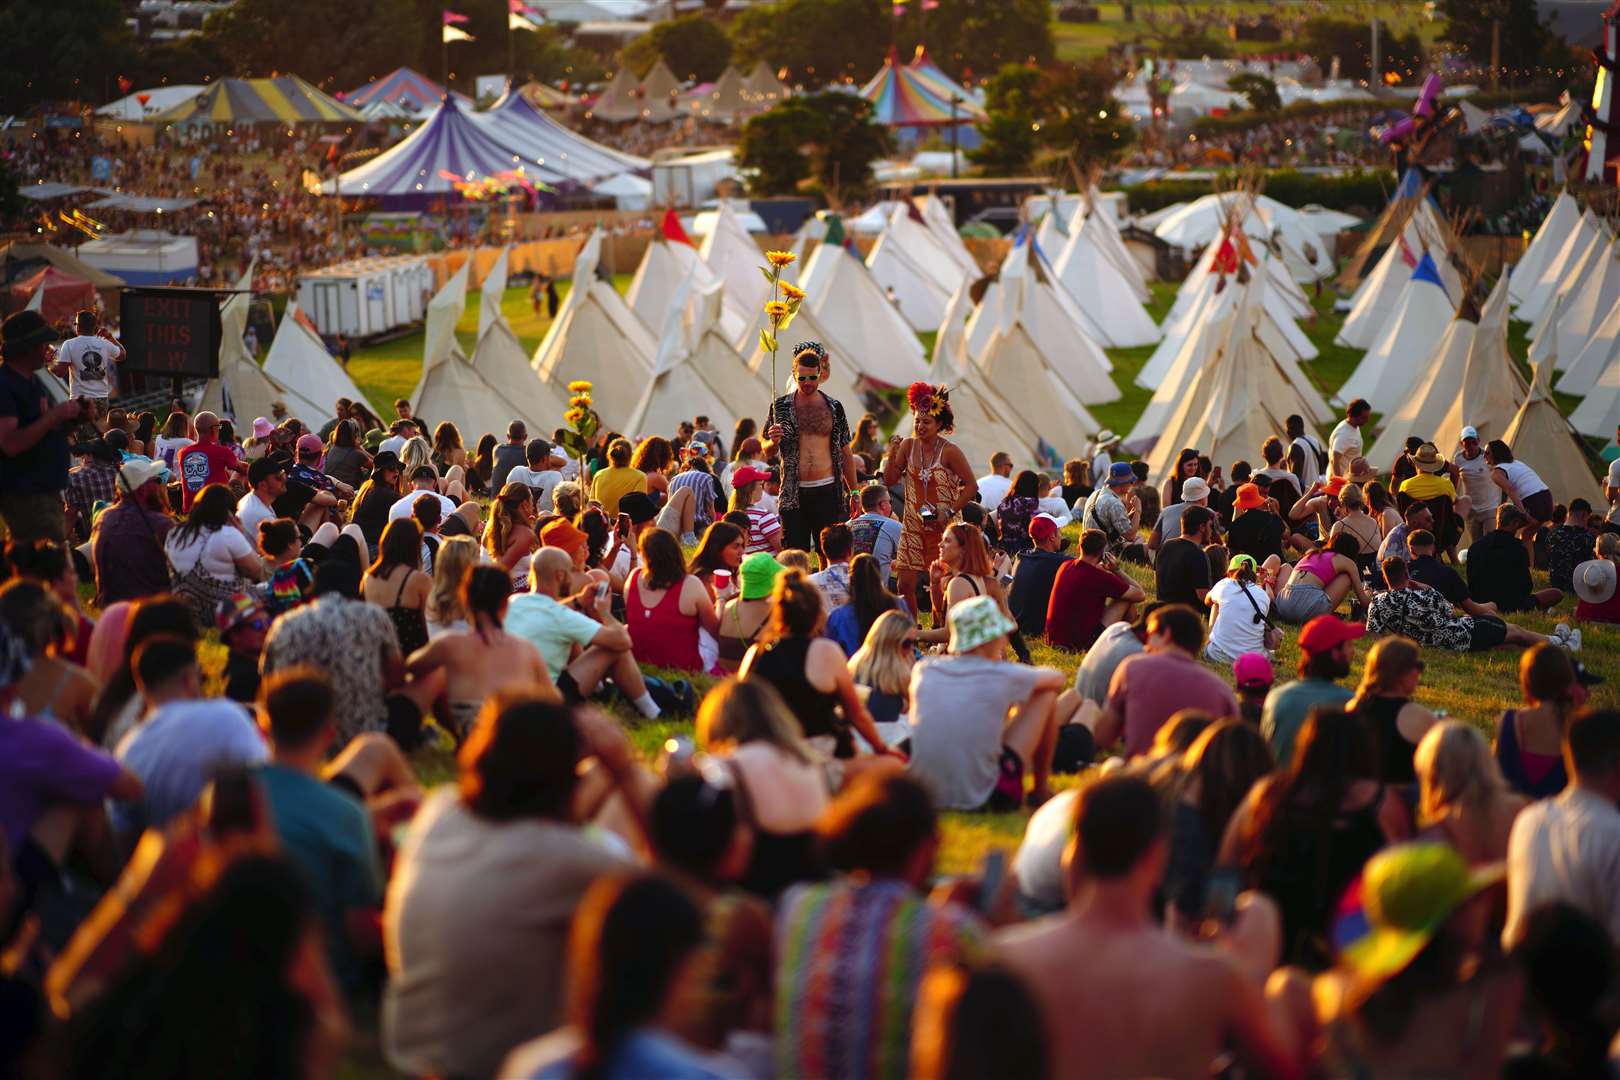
[741,478]
[1042,526]
[1327,632]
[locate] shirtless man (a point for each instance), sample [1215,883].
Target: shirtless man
[812,432]
[1121,995]
[484,660]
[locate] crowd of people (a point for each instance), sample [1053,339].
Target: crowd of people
[218,852]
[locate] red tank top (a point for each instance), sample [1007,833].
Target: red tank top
[660,634]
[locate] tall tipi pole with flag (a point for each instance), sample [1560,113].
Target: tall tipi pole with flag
[518,17]
[1602,139]
[450,30]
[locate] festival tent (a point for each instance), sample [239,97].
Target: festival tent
[1052,233]
[1107,236]
[383,111]
[1599,353]
[54,293]
[985,423]
[1589,298]
[285,99]
[298,359]
[763,89]
[243,390]
[722,101]
[1541,436]
[1550,236]
[938,219]
[731,254]
[596,337]
[1436,382]
[1026,289]
[669,262]
[1599,412]
[1237,400]
[842,290]
[903,98]
[1199,223]
[144,104]
[1372,302]
[907,259]
[542,141]
[1021,371]
[933,76]
[500,361]
[1575,274]
[428,164]
[1574,248]
[1490,388]
[697,371]
[1102,292]
[619,100]
[449,385]
[410,90]
[843,376]
[1413,329]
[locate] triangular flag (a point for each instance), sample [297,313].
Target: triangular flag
[673,231]
[452,33]
[1406,253]
[835,231]
[516,7]
[1426,271]
[451,18]
[514,21]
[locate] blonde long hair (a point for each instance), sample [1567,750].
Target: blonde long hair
[1387,661]
[416,452]
[1455,771]
[740,711]
[881,662]
[456,555]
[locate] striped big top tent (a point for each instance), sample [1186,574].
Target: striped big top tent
[918,95]
[411,90]
[285,99]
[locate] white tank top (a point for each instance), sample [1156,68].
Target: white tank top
[1521,479]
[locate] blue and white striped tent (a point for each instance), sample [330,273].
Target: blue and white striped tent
[544,143]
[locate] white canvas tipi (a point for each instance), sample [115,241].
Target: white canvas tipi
[937,217]
[299,361]
[667,264]
[596,337]
[1599,412]
[909,261]
[1577,273]
[1101,290]
[1544,440]
[1574,248]
[985,423]
[1591,297]
[499,359]
[1436,382]
[1414,328]
[696,372]
[450,387]
[1491,388]
[243,391]
[842,292]
[733,256]
[1549,239]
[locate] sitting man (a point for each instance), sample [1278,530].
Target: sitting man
[881,836]
[1569,544]
[1432,486]
[1499,567]
[318,807]
[1417,516]
[1181,571]
[1194,492]
[1034,574]
[184,740]
[1149,688]
[1088,594]
[1325,657]
[1426,616]
[979,722]
[578,637]
[424,481]
[1114,509]
[1178,1005]
[1426,569]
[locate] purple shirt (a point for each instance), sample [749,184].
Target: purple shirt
[1149,688]
[41,764]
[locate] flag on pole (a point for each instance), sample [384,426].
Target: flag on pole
[452,18]
[516,21]
[930,5]
[673,230]
[454,33]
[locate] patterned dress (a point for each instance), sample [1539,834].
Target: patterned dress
[931,483]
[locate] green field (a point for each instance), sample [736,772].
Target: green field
[1082,41]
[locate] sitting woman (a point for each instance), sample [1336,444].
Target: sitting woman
[868,600]
[292,579]
[693,493]
[655,458]
[1018,506]
[1462,796]
[1384,703]
[882,668]
[964,570]
[395,582]
[1530,739]
[743,616]
[53,688]
[210,556]
[1596,597]
[718,558]
[764,526]
[1320,580]
[784,783]
[1238,608]
[445,614]
[1356,523]
[665,607]
[809,671]
[417,453]
[509,538]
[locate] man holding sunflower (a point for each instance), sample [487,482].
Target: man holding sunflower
[812,432]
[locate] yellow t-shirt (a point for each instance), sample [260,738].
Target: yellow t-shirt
[1425,486]
[612,484]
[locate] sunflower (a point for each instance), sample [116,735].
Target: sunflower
[777,310]
[579,386]
[792,292]
[780,259]
[574,416]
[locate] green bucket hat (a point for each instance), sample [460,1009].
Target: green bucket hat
[1406,894]
[758,573]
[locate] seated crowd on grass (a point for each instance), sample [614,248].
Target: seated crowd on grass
[219,856]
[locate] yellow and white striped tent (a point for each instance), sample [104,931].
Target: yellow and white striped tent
[286,99]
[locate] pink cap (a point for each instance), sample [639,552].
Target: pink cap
[310,444]
[1253,669]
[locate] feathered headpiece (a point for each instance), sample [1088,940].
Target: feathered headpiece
[927,398]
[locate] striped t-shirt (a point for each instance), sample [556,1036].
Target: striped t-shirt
[849,960]
[762,525]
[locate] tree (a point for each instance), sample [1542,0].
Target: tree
[1352,43]
[818,41]
[1007,141]
[830,137]
[60,50]
[694,47]
[1469,26]
[1259,91]
[262,37]
[971,37]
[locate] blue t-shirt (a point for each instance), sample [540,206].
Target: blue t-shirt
[329,835]
[43,467]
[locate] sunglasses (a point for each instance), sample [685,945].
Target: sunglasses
[808,378]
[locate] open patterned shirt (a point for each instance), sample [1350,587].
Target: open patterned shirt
[783,413]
